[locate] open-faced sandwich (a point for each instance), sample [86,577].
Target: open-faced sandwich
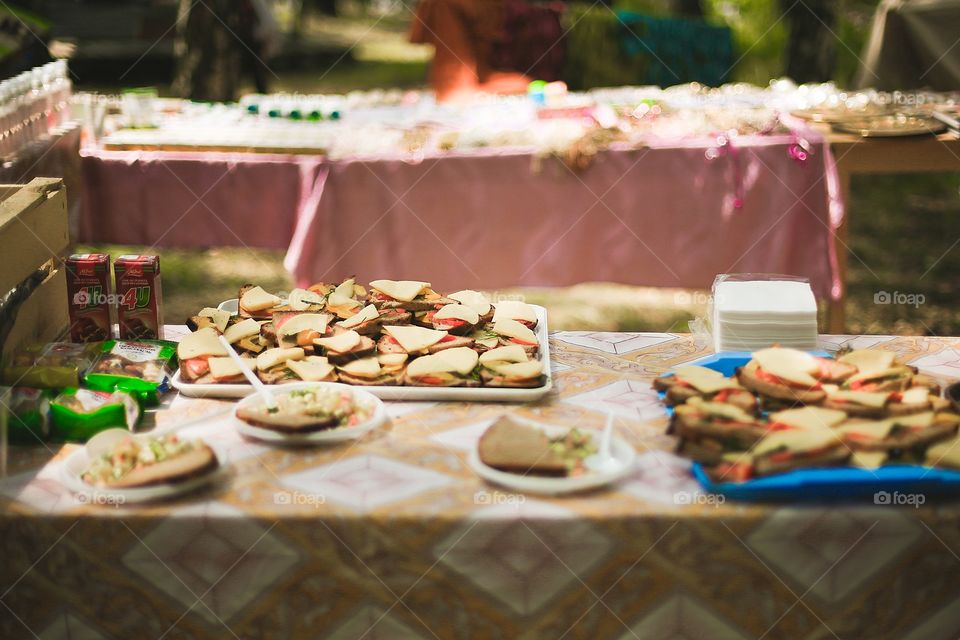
[457,319]
[881,404]
[782,451]
[510,366]
[372,371]
[410,295]
[785,377]
[515,310]
[945,453]
[513,332]
[517,447]
[306,410]
[413,341]
[367,321]
[707,384]
[343,300]
[195,352]
[905,437]
[142,462]
[345,346]
[455,367]
[476,301]
[708,430]
[255,302]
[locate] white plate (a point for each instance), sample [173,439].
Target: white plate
[413,394]
[78,461]
[327,436]
[621,449]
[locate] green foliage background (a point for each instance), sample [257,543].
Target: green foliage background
[759,32]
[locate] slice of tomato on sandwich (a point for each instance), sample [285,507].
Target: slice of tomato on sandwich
[523,342]
[196,366]
[769,377]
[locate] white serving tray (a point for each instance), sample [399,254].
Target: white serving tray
[413,394]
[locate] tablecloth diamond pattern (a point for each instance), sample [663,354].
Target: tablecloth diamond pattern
[393,536]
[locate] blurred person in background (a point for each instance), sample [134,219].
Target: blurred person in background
[217,40]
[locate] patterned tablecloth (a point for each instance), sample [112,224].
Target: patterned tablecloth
[394,537]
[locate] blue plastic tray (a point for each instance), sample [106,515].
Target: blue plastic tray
[884,485]
[894,484]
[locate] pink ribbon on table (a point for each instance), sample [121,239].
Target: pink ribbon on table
[800,150]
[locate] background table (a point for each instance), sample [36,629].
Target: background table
[396,536]
[665,215]
[912,45]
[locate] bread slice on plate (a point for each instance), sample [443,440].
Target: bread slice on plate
[192,464]
[515,447]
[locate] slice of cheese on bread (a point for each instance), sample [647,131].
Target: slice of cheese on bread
[457,312]
[311,369]
[205,342]
[514,310]
[241,330]
[340,343]
[791,365]
[273,357]
[512,329]
[413,338]
[473,299]
[460,360]
[369,312]
[256,299]
[402,290]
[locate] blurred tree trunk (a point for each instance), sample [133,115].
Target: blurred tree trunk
[811,48]
[689,8]
[207,51]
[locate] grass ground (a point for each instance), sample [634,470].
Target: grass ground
[904,230]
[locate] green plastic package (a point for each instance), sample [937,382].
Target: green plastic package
[79,414]
[27,412]
[50,366]
[142,368]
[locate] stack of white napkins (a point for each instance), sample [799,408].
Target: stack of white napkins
[754,314]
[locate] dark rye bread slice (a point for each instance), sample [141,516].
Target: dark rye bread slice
[367,347]
[891,410]
[908,438]
[742,399]
[835,456]
[384,380]
[695,427]
[747,378]
[197,462]
[285,423]
[493,379]
[448,380]
[704,451]
[515,447]
[387,345]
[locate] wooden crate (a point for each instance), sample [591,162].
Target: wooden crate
[33,234]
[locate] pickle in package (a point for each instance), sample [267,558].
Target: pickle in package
[27,412]
[142,369]
[79,414]
[50,366]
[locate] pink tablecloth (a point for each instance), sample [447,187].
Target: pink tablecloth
[663,216]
